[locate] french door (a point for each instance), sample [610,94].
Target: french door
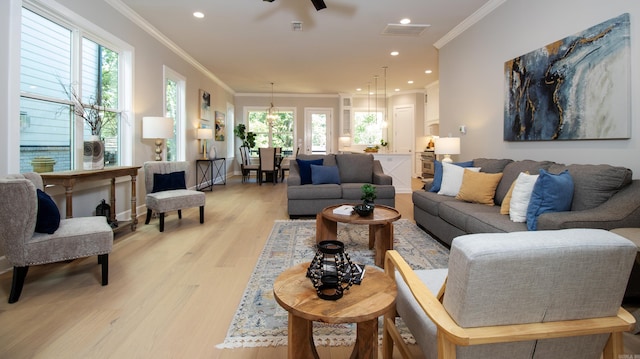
[318,123]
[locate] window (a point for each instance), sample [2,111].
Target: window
[58,62]
[367,128]
[278,134]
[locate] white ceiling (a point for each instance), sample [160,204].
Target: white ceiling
[248,44]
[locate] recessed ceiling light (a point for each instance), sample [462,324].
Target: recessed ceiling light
[198,14]
[395,53]
[405,21]
[410,82]
[428,71]
[396,90]
[358,89]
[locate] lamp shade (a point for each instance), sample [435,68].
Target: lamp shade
[204,134]
[447,146]
[157,127]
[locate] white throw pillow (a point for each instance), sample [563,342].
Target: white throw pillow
[520,197]
[452,178]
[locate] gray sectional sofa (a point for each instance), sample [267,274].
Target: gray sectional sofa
[307,199]
[604,197]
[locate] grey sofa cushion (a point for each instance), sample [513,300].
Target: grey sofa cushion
[594,184]
[430,201]
[490,165]
[327,160]
[511,172]
[355,168]
[312,191]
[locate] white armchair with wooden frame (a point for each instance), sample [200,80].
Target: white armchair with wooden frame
[544,294]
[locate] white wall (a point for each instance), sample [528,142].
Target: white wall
[472,79]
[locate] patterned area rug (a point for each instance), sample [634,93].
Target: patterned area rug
[260,321]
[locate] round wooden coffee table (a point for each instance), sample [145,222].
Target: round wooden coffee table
[361,304]
[380,227]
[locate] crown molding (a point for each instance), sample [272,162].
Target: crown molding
[151,30]
[485,10]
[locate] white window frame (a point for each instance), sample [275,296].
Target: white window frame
[181,115]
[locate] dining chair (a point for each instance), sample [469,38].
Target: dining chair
[285,164]
[267,164]
[246,167]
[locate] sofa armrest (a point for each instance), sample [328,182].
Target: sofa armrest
[378,175]
[621,210]
[294,174]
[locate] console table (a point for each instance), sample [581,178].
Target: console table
[69,178]
[220,166]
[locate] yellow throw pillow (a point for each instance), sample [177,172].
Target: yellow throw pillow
[506,202]
[479,187]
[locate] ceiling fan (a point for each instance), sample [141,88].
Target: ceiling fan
[319,4]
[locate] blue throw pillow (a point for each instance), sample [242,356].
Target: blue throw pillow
[305,169]
[48,216]
[325,174]
[437,174]
[168,181]
[551,193]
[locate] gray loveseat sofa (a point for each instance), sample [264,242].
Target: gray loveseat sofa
[354,170]
[604,197]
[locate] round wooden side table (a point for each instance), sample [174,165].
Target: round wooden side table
[361,304]
[380,227]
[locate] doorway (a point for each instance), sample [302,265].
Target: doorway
[318,123]
[403,129]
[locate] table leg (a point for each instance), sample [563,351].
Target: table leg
[68,192]
[326,229]
[366,346]
[134,214]
[383,234]
[301,344]
[112,200]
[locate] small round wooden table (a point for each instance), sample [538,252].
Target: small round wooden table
[361,304]
[380,227]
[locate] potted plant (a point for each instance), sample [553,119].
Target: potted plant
[248,138]
[368,195]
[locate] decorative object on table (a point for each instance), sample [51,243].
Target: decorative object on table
[42,164]
[204,134]
[364,209]
[431,145]
[368,193]
[220,126]
[551,92]
[372,149]
[384,144]
[248,138]
[260,322]
[345,210]
[158,128]
[447,146]
[331,270]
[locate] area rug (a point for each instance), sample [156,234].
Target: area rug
[260,321]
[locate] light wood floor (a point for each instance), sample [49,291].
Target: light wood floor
[170,295]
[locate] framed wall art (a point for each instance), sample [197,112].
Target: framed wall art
[205,105]
[577,88]
[220,126]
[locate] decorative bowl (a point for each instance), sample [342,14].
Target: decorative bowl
[363,210]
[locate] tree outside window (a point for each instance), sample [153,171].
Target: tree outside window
[279,134]
[367,129]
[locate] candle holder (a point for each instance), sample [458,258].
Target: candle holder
[331,270]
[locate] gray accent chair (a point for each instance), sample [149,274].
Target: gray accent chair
[171,200]
[23,247]
[544,294]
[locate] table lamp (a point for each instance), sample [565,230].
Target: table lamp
[447,146]
[158,128]
[204,134]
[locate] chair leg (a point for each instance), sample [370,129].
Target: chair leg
[179,214]
[201,214]
[161,222]
[19,274]
[148,216]
[103,259]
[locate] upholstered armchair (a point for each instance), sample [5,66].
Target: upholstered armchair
[32,232]
[545,294]
[165,185]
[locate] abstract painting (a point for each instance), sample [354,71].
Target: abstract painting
[205,105]
[577,88]
[219,126]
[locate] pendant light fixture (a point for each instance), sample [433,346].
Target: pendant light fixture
[272,112]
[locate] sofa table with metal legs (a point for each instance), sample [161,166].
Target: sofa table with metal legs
[205,177]
[361,304]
